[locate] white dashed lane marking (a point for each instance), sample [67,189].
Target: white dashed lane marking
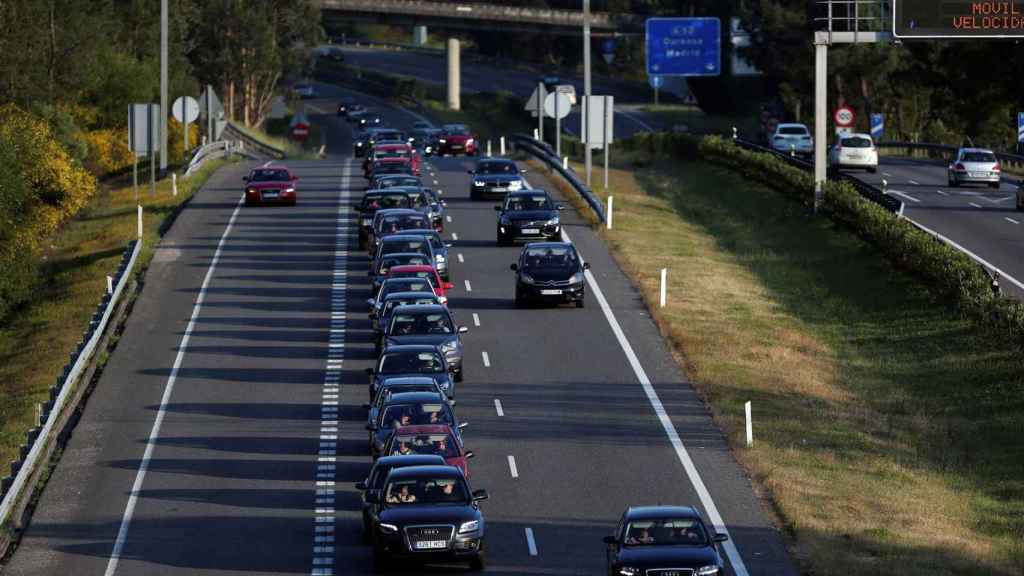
[531,544]
[455,236]
[461,259]
[469,287]
[1011,220]
[486,359]
[975,205]
[476,319]
[512,467]
[498,408]
[449,219]
[943,193]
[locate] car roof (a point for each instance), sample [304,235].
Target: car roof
[402,236]
[420,471]
[407,380]
[547,244]
[407,460]
[655,512]
[977,150]
[418,232]
[404,295]
[412,267]
[530,192]
[399,212]
[425,429]
[411,348]
[387,145]
[416,397]
[271,167]
[791,125]
[855,135]
[423,308]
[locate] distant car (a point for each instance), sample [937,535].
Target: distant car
[383,167]
[406,284]
[419,199]
[372,136]
[394,221]
[354,111]
[382,267]
[428,324]
[333,53]
[528,214]
[270,185]
[397,152]
[402,409]
[663,540]
[456,139]
[854,151]
[394,180]
[439,439]
[974,166]
[792,138]
[371,202]
[399,243]
[549,81]
[494,176]
[410,361]
[419,130]
[374,483]
[550,272]
[437,208]
[424,272]
[304,90]
[368,119]
[382,318]
[429,140]
[441,522]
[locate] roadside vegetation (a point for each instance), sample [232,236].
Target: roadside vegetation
[886,425]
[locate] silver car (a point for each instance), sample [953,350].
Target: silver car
[974,166]
[793,139]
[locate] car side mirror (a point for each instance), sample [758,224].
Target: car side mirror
[463,329]
[371,427]
[480,495]
[720,537]
[447,245]
[586,265]
[449,286]
[470,172]
[514,267]
[451,402]
[610,540]
[559,206]
[295,178]
[245,178]
[361,485]
[523,171]
[463,425]
[369,371]
[469,454]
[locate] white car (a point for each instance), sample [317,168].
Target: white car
[854,151]
[793,139]
[304,90]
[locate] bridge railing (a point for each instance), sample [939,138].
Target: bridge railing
[484,11]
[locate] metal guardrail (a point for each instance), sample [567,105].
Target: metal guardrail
[249,144]
[945,148]
[543,152]
[867,191]
[40,445]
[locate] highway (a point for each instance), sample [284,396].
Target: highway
[226,432]
[981,220]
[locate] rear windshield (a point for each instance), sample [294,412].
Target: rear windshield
[412,363]
[793,130]
[856,143]
[374,203]
[978,157]
[269,175]
[395,182]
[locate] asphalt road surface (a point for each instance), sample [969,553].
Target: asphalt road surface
[226,432]
[980,219]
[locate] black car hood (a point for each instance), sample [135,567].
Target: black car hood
[497,177]
[431,339]
[429,514]
[540,215]
[668,557]
[548,274]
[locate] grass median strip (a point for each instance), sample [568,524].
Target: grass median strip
[886,428]
[36,340]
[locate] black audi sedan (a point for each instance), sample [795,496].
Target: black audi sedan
[528,215]
[374,482]
[428,514]
[663,541]
[495,176]
[550,272]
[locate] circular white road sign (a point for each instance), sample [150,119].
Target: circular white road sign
[185,109]
[844,116]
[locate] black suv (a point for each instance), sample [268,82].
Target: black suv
[550,272]
[412,360]
[661,540]
[495,176]
[428,514]
[371,487]
[530,215]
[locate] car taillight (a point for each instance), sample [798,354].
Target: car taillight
[996,168]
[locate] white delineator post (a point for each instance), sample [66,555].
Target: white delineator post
[110,285]
[140,221]
[565,163]
[489,148]
[664,286]
[536,135]
[174,184]
[750,426]
[502,145]
[611,206]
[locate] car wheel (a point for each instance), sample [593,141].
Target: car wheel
[993,185]
[519,299]
[579,303]
[477,563]
[458,376]
[873,169]
[366,529]
[474,195]
[381,562]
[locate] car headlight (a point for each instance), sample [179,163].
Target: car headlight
[250,191]
[444,385]
[470,142]
[443,141]
[526,278]
[627,571]
[388,528]
[515,185]
[367,221]
[479,183]
[359,144]
[471,526]
[577,278]
[449,346]
[439,258]
[289,190]
[707,571]
[553,221]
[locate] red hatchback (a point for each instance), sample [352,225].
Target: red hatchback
[388,153]
[427,271]
[270,185]
[439,439]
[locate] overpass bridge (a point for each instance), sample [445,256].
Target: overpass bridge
[477,15]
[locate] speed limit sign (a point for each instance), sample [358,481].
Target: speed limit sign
[844,116]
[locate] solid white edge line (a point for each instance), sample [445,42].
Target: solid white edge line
[531,544]
[913,183]
[739,568]
[943,193]
[512,466]
[978,259]
[902,195]
[498,408]
[975,205]
[154,433]
[1008,219]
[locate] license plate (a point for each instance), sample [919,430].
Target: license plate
[531,231]
[270,194]
[431,544]
[456,147]
[978,175]
[551,292]
[855,156]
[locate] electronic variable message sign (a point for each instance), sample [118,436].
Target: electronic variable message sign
[957,19]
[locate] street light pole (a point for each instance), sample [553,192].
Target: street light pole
[163,86]
[587,152]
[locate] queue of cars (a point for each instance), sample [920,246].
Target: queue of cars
[417,500]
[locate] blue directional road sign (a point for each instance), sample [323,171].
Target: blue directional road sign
[877,126]
[684,46]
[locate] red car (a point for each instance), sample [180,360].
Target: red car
[456,139]
[387,153]
[270,185]
[427,271]
[437,439]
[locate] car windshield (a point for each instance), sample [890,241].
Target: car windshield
[393,224]
[528,202]
[856,142]
[978,157]
[457,130]
[407,246]
[390,135]
[550,257]
[389,167]
[424,274]
[398,415]
[793,131]
[396,182]
[270,175]
[496,168]
[443,490]
[406,284]
[421,324]
[666,532]
[402,260]
[412,363]
[400,388]
[392,304]
[396,153]
[439,444]
[374,203]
